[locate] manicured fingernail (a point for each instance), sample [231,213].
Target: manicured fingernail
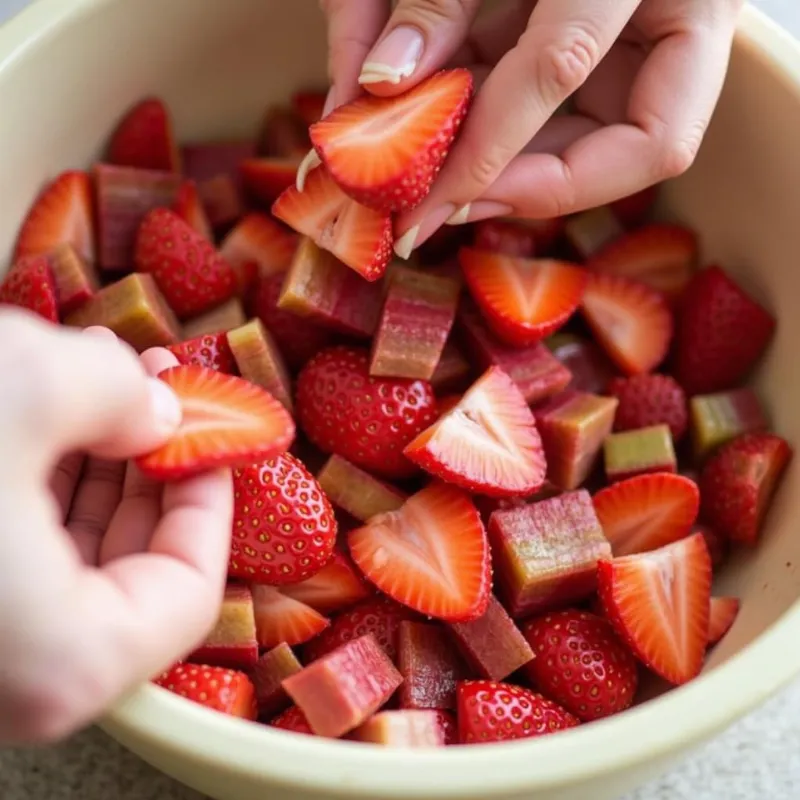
[480,209]
[393,59]
[101,332]
[311,161]
[419,234]
[330,102]
[166,406]
[405,244]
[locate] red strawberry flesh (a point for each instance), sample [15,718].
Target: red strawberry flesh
[144,138]
[722,614]
[265,178]
[210,350]
[189,207]
[218,688]
[589,366]
[280,618]
[30,284]
[294,720]
[259,239]
[646,400]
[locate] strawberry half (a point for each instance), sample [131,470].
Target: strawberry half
[309,104]
[522,299]
[227,421]
[738,482]
[386,151]
[488,443]
[189,207]
[30,284]
[432,554]
[631,321]
[211,350]
[62,214]
[144,139]
[264,179]
[646,400]
[721,616]
[658,602]
[293,719]
[280,618]
[647,512]
[356,235]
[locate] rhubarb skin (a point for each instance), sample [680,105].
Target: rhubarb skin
[590,367]
[546,553]
[417,316]
[134,309]
[268,675]
[573,426]
[493,645]
[716,419]
[537,373]
[75,278]
[405,728]
[430,665]
[638,452]
[453,372]
[344,688]
[357,492]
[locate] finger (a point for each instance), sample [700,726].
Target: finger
[558,51]
[420,38]
[64,480]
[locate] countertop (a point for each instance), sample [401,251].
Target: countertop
[757,758]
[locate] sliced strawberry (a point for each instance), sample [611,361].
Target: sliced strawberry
[280,618]
[144,139]
[488,443]
[631,321]
[358,236]
[210,350]
[721,616]
[386,151]
[432,554]
[523,299]
[309,104]
[506,237]
[227,421]
[265,178]
[189,207]
[293,719]
[62,214]
[30,284]
[646,400]
[647,512]
[722,333]
[658,602]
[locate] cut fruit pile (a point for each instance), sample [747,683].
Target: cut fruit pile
[478,497]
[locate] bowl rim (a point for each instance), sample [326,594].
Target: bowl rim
[662,728]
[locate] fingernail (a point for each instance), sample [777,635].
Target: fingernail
[405,244]
[393,59]
[101,332]
[419,234]
[166,406]
[330,102]
[480,209]
[311,161]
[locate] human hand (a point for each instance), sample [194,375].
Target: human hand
[105,577]
[643,77]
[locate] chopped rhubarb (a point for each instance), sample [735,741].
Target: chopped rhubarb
[211,350]
[232,642]
[75,278]
[592,230]
[258,239]
[222,200]
[283,134]
[493,645]
[260,361]
[452,370]
[134,309]
[269,673]
[546,553]
[265,178]
[591,368]
[715,419]
[573,427]
[344,688]
[722,614]
[205,160]
[417,316]
[639,452]
[405,728]
[356,491]
[280,618]
[221,319]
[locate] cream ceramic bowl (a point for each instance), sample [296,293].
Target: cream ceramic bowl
[67,72]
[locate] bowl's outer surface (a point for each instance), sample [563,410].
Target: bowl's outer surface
[67,72]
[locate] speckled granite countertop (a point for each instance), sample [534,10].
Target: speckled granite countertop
[757,758]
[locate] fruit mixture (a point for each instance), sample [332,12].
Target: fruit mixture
[479,496]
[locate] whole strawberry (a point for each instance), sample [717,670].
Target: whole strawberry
[498,712]
[650,399]
[190,273]
[210,350]
[581,663]
[366,420]
[30,284]
[284,529]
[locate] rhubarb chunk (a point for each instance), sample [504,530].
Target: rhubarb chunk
[205,160]
[452,371]
[268,674]
[232,642]
[259,360]
[546,553]
[407,728]
[357,492]
[591,368]
[344,688]
[592,230]
[219,320]
[573,426]
[638,452]
[134,309]
[493,645]
[76,280]
[715,419]
[430,666]
[222,200]
[417,317]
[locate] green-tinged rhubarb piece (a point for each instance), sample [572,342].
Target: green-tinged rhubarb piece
[232,642]
[405,728]
[268,674]
[639,451]
[219,320]
[715,419]
[75,278]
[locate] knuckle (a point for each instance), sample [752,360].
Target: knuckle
[484,168]
[564,65]
[676,155]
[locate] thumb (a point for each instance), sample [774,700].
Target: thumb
[420,38]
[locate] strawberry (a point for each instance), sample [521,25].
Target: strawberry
[227,421]
[225,690]
[722,332]
[357,235]
[30,284]
[488,443]
[498,712]
[144,139]
[633,209]
[581,664]
[189,207]
[191,275]
[523,299]
[293,719]
[737,484]
[432,554]
[280,618]
[211,350]
[386,151]
[647,511]
[658,604]
[721,616]
[62,214]
[448,725]
[309,104]
[366,420]
[717,544]
[631,321]
[265,178]
[506,237]
[646,400]
[283,525]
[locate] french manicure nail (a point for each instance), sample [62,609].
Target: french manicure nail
[419,234]
[100,332]
[166,406]
[330,102]
[405,244]
[480,209]
[395,58]
[311,161]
